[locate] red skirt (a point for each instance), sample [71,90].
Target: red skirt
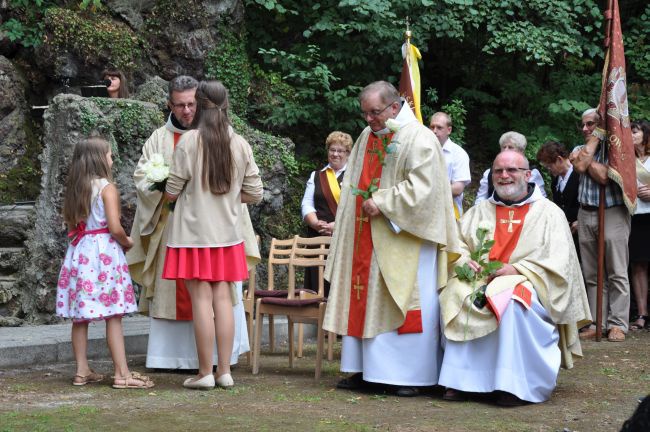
[214,264]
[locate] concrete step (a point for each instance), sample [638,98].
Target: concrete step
[46,344]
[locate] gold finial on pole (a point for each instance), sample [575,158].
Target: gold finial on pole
[407,33]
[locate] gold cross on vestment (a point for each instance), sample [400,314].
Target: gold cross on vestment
[361,220]
[510,220]
[358,288]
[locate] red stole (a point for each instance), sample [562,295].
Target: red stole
[363,241]
[509,224]
[183,300]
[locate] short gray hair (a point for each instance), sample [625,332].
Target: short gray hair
[181,83]
[516,138]
[387,92]
[591,111]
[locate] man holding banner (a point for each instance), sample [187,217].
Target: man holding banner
[607,191]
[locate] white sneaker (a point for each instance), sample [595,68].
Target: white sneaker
[205,383]
[225,381]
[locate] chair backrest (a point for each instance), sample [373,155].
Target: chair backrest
[279,254]
[309,252]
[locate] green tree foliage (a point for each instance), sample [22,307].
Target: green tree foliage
[529,66]
[228,62]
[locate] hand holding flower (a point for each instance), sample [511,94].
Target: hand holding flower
[370,208]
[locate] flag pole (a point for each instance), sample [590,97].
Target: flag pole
[600,275]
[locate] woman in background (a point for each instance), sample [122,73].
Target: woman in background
[321,197]
[640,231]
[118,87]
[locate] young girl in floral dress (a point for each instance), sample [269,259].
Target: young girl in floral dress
[212,173]
[94,282]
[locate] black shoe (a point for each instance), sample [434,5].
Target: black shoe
[404,391]
[506,399]
[454,395]
[353,382]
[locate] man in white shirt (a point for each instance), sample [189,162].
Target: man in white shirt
[456,159]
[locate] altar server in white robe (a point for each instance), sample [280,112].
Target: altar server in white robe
[514,342]
[386,246]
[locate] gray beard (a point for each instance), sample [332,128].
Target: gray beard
[511,192]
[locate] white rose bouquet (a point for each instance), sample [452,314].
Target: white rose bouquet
[156,172]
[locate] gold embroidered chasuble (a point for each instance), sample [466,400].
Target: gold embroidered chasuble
[546,258]
[415,195]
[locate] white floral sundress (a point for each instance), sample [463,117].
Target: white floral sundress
[94,282]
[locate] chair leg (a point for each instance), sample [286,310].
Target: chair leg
[271,333]
[257,341]
[301,335]
[319,341]
[251,338]
[291,345]
[330,345]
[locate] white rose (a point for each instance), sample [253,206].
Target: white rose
[158,174]
[392,124]
[146,168]
[157,159]
[485,226]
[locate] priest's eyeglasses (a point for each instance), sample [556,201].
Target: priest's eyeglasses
[510,171]
[374,113]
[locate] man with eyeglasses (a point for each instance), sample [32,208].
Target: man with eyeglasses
[511,336]
[394,223]
[590,160]
[171,336]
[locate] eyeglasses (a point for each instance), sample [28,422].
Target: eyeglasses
[510,171]
[587,124]
[190,105]
[336,151]
[374,113]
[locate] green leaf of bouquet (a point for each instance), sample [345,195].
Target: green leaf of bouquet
[480,235]
[492,266]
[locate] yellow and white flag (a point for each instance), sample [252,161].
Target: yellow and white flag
[409,83]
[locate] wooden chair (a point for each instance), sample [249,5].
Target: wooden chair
[298,253]
[299,306]
[248,302]
[279,255]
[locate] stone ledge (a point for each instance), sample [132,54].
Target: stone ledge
[46,344]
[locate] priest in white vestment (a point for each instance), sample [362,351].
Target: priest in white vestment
[394,226]
[171,334]
[514,341]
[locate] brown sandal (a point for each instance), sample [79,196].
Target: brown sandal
[92,377]
[133,381]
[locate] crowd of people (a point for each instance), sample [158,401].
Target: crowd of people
[494,299]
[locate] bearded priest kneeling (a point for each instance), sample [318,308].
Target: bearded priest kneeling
[512,339]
